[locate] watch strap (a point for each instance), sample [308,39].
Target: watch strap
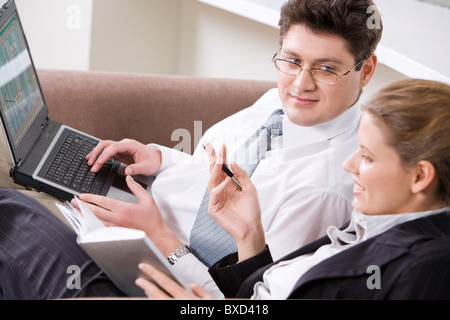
[178,254]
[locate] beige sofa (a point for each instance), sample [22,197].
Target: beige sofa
[148,108]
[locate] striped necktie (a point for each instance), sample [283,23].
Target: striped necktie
[209,242]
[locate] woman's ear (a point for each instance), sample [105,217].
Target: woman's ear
[425,173]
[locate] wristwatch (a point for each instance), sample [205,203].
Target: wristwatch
[178,254]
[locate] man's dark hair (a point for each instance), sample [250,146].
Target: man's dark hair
[350,19]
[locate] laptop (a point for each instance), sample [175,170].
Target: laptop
[47,156]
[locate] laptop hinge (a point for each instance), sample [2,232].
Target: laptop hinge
[13,170]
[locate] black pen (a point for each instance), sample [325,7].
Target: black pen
[230,174]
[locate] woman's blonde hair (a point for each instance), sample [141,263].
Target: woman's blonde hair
[415,115]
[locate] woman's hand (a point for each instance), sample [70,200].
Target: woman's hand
[238,212]
[171,288]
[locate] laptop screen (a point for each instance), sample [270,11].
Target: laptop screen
[20,95]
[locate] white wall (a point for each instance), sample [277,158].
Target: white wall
[216,43]
[220,44]
[136,36]
[179,37]
[153,36]
[149,36]
[58,32]
[383,75]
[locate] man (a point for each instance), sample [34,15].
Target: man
[326,58]
[334,50]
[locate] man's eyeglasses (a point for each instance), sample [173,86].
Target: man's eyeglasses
[291,68]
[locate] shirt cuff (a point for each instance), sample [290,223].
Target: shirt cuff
[169,156]
[229,274]
[192,270]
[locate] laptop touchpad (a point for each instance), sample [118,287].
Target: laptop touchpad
[119,189]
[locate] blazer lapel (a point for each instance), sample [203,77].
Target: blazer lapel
[378,251]
[354,261]
[246,289]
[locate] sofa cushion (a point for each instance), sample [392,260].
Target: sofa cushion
[145,107]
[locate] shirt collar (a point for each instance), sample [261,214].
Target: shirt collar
[363,227]
[325,131]
[373,225]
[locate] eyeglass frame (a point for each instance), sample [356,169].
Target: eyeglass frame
[300,68]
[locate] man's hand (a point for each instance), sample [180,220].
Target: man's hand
[171,288]
[144,215]
[139,158]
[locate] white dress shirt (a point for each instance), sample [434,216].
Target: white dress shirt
[279,280]
[301,184]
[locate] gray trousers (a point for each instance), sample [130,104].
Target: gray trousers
[39,256]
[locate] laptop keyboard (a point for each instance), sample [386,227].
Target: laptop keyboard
[69,168]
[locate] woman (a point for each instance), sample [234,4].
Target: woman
[397,244]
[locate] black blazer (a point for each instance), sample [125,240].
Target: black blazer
[413,257]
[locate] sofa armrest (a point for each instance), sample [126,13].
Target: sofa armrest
[144,107]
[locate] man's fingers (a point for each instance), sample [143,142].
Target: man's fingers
[93,156]
[165,282]
[198,291]
[151,290]
[102,207]
[109,149]
[137,189]
[100,201]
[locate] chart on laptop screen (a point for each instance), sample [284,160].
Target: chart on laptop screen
[20,98]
